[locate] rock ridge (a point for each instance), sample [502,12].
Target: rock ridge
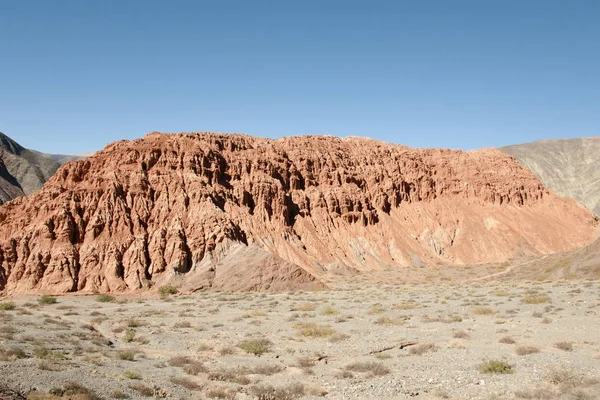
[235,211]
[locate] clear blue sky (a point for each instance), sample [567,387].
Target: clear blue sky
[75,75]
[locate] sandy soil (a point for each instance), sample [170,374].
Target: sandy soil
[364,341]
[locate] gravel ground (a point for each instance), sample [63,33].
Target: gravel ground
[421,341]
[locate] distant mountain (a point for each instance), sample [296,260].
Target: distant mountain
[22,171]
[64,158]
[570,167]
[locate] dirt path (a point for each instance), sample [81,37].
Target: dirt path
[505,272]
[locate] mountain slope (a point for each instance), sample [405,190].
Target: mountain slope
[22,171]
[237,212]
[570,167]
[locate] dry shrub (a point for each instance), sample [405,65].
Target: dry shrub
[422,349]
[507,340]
[536,299]
[142,389]
[12,354]
[480,310]
[525,350]
[268,392]
[566,346]
[186,383]
[235,376]
[374,368]
[460,334]
[256,346]
[310,329]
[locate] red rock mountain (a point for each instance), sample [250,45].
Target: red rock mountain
[238,212]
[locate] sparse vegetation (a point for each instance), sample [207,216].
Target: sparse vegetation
[480,310]
[47,300]
[256,346]
[166,291]
[372,367]
[311,329]
[495,367]
[566,346]
[507,340]
[8,305]
[525,350]
[536,299]
[422,349]
[105,298]
[125,355]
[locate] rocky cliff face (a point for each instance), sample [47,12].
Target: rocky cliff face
[233,211]
[570,167]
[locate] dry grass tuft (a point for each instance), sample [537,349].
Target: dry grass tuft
[422,349]
[374,368]
[536,299]
[480,310]
[566,346]
[495,367]
[256,346]
[311,329]
[525,350]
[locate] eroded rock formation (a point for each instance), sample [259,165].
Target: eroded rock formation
[234,211]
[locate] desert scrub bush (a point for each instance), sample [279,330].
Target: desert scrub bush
[182,325]
[329,311]
[129,336]
[72,390]
[480,310]
[8,305]
[234,376]
[268,392]
[566,346]
[117,394]
[311,329]
[304,307]
[256,346]
[564,376]
[132,375]
[461,334]
[166,291]
[142,389]
[46,354]
[125,355]
[186,383]
[179,361]
[12,354]
[405,306]
[220,393]
[507,340]
[135,323]
[495,367]
[105,298]
[525,350]
[372,367]
[536,299]
[47,299]
[422,349]
[189,366]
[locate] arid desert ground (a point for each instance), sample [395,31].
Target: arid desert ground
[498,340]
